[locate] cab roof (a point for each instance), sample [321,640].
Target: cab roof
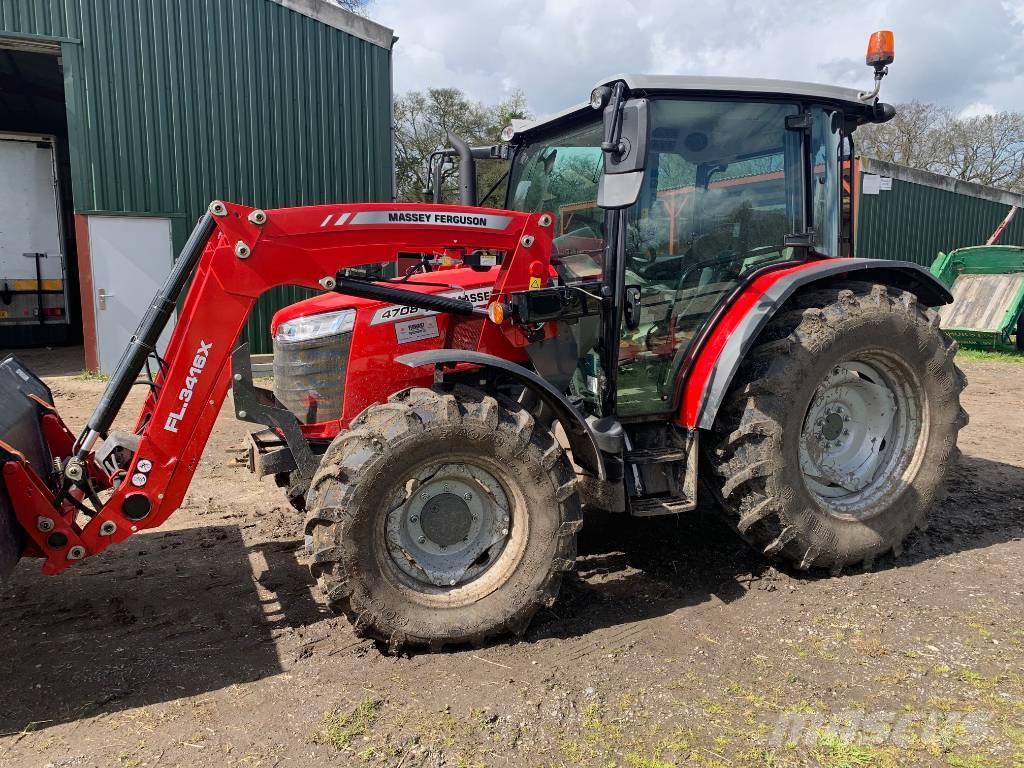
[644,85]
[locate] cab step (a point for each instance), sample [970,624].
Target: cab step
[661,505]
[656,455]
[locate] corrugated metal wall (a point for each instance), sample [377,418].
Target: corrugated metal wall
[173,103]
[915,221]
[41,18]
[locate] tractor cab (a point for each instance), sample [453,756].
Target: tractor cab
[668,193]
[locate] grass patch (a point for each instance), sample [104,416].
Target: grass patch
[92,376]
[990,356]
[833,751]
[635,760]
[337,729]
[977,681]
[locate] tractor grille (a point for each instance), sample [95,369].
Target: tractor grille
[309,376]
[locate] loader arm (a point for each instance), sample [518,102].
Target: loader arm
[234,256]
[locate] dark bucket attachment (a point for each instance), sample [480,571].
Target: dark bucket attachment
[20,430]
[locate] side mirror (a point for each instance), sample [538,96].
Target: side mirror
[625,153]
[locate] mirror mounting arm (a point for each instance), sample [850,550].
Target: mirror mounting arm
[613,143]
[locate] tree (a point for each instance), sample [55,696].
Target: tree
[986,149]
[354,6]
[422,123]
[911,138]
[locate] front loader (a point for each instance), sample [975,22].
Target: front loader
[671,282]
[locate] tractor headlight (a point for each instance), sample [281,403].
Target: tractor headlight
[316,326]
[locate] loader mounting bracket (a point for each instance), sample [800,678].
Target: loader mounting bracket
[259,406]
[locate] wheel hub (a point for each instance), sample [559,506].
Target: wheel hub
[449,525]
[832,425]
[446,519]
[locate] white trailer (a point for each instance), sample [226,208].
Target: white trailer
[33,272]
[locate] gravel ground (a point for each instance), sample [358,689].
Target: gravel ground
[202,644]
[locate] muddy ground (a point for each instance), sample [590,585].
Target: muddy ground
[202,644]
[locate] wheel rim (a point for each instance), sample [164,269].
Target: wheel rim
[448,525]
[860,434]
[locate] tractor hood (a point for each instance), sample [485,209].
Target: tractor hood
[442,281]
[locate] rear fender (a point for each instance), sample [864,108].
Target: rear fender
[753,306]
[585,451]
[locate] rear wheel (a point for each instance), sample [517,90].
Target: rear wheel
[442,517]
[836,433]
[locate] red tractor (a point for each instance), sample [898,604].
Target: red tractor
[670,283]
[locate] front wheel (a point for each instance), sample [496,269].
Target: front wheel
[836,433]
[442,517]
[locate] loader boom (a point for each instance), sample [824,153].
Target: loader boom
[234,255]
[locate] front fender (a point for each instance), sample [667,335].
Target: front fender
[585,452]
[753,306]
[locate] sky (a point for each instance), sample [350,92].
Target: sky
[964,54]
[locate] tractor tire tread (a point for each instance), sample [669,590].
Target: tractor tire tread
[349,463]
[743,454]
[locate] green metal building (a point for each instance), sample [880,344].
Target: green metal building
[159,106]
[910,215]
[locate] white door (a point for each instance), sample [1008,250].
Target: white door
[131,256]
[29,224]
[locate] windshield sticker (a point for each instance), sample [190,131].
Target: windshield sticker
[416,330]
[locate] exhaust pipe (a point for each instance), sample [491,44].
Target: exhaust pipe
[467,170]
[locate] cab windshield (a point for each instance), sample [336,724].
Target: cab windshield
[560,175]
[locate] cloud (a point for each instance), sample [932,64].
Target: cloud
[954,53]
[978,109]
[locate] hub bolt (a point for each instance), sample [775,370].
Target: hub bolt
[413,518]
[468,496]
[422,539]
[452,582]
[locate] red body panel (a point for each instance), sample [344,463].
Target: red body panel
[372,373]
[707,356]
